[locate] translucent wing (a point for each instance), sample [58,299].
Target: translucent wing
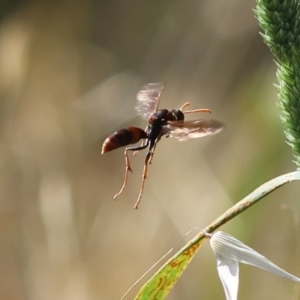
[148,99]
[185,130]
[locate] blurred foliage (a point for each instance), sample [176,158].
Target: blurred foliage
[69,74]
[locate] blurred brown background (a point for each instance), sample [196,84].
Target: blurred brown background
[69,75]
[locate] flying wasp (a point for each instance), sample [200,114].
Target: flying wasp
[168,122]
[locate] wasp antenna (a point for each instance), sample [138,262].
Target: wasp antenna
[197,110]
[186,104]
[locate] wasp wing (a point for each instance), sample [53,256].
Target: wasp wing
[148,99]
[185,130]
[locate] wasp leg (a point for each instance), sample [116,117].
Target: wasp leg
[142,144]
[144,176]
[127,163]
[154,146]
[148,160]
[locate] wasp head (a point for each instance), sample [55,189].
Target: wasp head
[177,114]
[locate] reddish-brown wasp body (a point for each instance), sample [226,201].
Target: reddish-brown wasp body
[123,137]
[161,122]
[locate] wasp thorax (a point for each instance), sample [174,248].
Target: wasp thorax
[159,117]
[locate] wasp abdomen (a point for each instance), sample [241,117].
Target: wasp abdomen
[123,137]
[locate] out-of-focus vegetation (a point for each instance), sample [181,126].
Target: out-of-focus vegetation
[69,74]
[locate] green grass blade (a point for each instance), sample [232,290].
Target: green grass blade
[159,286]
